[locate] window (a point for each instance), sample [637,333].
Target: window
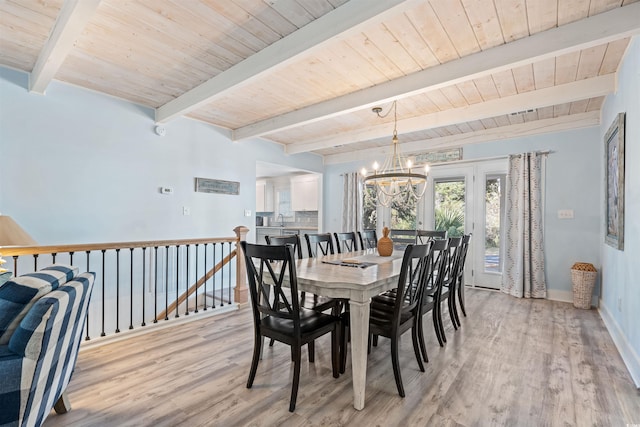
[449,206]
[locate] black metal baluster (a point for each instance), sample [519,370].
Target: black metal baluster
[213,292]
[222,274]
[177,278]
[131,290]
[35,262]
[102,334]
[229,272]
[144,278]
[166,284]
[205,280]
[53,256]
[87,338]
[186,300]
[71,258]
[196,310]
[155,286]
[117,291]
[15,265]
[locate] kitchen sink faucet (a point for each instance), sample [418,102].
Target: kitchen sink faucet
[281,218]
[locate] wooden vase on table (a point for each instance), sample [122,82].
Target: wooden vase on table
[385,244]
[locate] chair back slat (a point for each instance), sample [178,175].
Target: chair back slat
[292,239]
[368,239]
[319,244]
[346,242]
[424,236]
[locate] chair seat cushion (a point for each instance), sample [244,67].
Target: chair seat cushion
[20,293]
[310,320]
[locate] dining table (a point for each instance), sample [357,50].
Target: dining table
[356,276]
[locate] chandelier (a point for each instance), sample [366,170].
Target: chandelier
[395,181]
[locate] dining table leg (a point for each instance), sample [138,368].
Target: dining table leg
[359,325]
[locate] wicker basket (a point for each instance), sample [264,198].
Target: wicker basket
[583,276]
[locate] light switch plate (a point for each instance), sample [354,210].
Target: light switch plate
[186,211]
[247,212]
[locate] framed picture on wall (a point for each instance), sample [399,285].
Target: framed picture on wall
[614,184]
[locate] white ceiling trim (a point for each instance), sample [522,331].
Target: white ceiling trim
[555,95]
[599,29]
[72,19]
[559,124]
[339,23]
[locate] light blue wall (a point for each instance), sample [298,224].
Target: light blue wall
[81,167]
[621,269]
[574,173]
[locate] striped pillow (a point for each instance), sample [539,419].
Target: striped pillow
[20,293]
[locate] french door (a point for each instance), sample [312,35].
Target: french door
[469,198]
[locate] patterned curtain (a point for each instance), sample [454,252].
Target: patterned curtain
[523,275]
[351,202]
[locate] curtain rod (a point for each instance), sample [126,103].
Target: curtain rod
[485,159]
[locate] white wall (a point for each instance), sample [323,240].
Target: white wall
[81,167]
[620,301]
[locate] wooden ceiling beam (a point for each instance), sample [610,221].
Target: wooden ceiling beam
[554,95]
[536,127]
[73,17]
[615,24]
[339,23]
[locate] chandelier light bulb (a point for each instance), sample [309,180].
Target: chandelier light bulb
[375,166]
[363,171]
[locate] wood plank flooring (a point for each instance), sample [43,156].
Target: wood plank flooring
[514,362]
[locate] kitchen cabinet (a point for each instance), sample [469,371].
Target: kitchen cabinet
[304,193]
[264,196]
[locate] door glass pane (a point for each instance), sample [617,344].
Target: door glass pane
[449,206]
[370,213]
[403,214]
[494,201]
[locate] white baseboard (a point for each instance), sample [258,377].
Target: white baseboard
[567,296]
[628,354]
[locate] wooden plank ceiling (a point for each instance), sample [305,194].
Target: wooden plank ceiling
[306,73]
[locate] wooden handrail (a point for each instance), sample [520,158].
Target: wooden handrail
[196,285]
[53,249]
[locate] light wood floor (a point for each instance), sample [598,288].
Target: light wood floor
[514,362]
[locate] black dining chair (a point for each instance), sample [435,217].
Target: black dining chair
[460,273]
[437,261]
[319,244]
[395,312]
[346,242]
[368,239]
[449,283]
[279,317]
[424,236]
[291,239]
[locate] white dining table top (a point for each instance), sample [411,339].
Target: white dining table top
[353,282]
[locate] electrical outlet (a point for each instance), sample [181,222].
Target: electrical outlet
[186,211]
[247,212]
[565,214]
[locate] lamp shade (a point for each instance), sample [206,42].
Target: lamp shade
[11,234]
